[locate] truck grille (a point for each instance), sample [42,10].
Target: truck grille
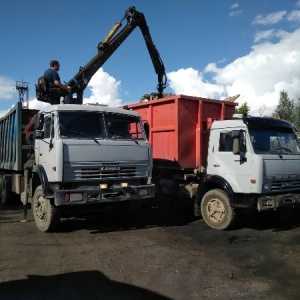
[108,172]
[285,185]
[78,172]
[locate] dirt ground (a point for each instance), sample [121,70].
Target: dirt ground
[165,253]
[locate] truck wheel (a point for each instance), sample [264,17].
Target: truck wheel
[46,216]
[216,210]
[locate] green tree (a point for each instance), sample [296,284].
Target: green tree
[297,115]
[243,109]
[285,109]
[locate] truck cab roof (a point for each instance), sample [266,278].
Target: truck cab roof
[252,122]
[88,108]
[272,122]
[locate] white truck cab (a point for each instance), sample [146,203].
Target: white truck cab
[256,162]
[87,156]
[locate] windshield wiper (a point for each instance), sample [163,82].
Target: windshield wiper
[80,133]
[119,135]
[287,149]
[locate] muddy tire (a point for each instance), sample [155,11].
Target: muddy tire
[216,210]
[46,216]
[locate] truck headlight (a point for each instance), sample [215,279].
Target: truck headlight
[266,186]
[76,197]
[143,192]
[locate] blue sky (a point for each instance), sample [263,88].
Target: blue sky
[210,48]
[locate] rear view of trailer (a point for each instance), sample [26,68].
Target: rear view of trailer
[16,149]
[13,145]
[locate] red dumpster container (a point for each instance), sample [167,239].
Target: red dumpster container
[179,127]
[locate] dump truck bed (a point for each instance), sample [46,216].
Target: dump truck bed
[14,147]
[179,127]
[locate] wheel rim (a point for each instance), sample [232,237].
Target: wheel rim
[40,209]
[215,210]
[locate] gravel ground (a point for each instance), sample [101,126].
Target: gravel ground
[165,253]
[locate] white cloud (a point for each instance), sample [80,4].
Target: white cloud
[7,88]
[294,16]
[234,6]
[258,77]
[234,10]
[263,35]
[104,89]
[3,112]
[281,34]
[271,18]
[35,104]
[190,82]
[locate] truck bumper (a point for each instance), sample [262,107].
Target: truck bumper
[97,196]
[274,202]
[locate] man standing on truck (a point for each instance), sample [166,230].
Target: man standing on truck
[55,86]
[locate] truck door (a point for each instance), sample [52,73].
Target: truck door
[236,169]
[46,148]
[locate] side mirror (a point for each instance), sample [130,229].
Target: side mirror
[236,146]
[236,134]
[38,126]
[146,128]
[39,122]
[39,134]
[239,143]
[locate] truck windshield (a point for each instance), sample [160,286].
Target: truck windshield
[102,125]
[274,141]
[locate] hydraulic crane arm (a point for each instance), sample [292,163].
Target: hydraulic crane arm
[108,46]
